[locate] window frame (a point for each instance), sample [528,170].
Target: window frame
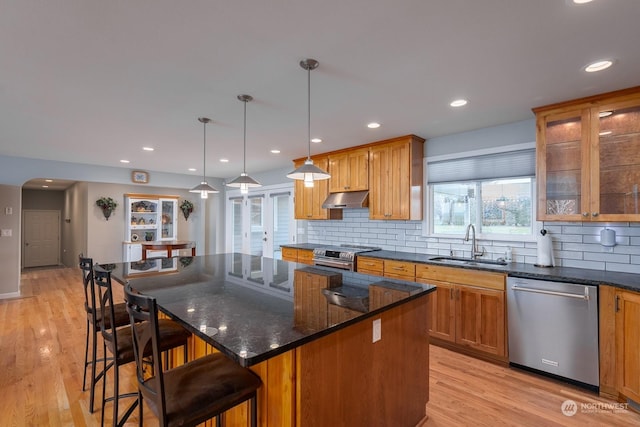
[427,222]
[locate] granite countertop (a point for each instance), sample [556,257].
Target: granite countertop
[584,276]
[243,305]
[629,281]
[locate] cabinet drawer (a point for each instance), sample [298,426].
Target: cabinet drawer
[289,254]
[305,256]
[373,266]
[463,276]
[426,271]
[400,268]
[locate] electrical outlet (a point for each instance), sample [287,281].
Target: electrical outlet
[8,211]
[377,330]
[6,232]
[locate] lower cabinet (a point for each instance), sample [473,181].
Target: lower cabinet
[310,307]
[304,256]
[385,293]
[372,266]
[619,343]
[470,312]
[339,314]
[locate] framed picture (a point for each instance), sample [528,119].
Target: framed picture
[140,177]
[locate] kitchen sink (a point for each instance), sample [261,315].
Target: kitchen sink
[466,261]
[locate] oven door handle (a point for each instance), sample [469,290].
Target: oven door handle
[554,293]
[331,263]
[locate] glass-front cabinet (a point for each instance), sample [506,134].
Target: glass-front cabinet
[588,159]
[148,218]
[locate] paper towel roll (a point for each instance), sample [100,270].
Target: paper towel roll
[545,250]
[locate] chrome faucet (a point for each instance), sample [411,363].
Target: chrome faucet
[474,245]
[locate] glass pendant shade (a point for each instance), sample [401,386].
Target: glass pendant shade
[244,181]
[308,172]
[203,188]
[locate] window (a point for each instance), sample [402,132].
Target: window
[493,191]
[499,207]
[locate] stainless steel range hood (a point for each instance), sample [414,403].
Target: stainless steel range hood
[352,199]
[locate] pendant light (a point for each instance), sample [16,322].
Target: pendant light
[244,181]
[308,172]
[204,189]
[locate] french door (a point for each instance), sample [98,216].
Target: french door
[260,221]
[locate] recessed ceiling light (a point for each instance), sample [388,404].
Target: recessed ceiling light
[124,161]
[598,66]
[605,133]
[373,125]
[458,103]
[45,186]
[275,151]
[192,169]
[316,140]
[582,1]
[605,113]
[48,180]
[224,160]
[148,148]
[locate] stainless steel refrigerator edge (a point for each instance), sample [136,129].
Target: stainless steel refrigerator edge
[553,328]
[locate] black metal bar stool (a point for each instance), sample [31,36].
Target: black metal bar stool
[191,393]
[120,316]
[119,342]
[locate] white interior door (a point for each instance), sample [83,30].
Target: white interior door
[41,238]
[260,221]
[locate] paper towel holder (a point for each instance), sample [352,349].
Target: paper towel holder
[608,237]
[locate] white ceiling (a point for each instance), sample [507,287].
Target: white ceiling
[95,81]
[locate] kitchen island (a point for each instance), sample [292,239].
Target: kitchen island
[272,316]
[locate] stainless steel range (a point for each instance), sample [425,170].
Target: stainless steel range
[342,257]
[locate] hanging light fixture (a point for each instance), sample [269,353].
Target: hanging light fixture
[244,181]
[308,172]
[204,189]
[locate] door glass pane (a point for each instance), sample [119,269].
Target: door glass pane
[619,160]
[236,218]
[563,159]
[168,220]
[256,213]
[281,215]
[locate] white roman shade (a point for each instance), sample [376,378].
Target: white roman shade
[508,164]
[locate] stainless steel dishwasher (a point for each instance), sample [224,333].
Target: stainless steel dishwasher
[553,329]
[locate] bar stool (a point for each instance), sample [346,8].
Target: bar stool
[93,324]
[118,341]
[191,393]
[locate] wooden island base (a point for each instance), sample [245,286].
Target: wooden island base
[343,378]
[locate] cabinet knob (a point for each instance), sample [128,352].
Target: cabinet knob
[594,214]
[585,214]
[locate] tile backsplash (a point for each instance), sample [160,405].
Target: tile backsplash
[575,244]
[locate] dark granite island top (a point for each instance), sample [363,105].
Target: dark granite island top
[273,317]
[242,305]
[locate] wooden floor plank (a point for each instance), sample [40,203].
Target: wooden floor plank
[42,348]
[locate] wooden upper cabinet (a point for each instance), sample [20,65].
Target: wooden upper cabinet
[588,158]
[308,200]
[396,178]
[349,170]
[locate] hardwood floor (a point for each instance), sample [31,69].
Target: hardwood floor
[42,349]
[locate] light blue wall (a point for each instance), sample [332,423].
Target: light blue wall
[496,136]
